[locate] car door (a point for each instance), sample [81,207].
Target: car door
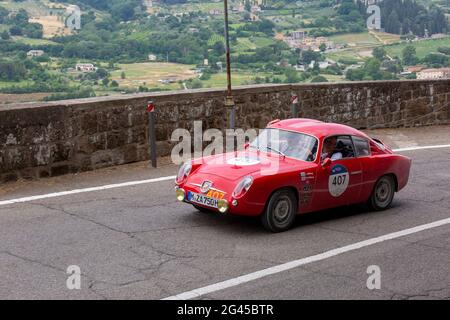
[368,167]
[339,182]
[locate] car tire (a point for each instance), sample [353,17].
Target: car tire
[382,194]
[280,211]
[202,209]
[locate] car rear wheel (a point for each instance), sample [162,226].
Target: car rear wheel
[383,193]
[280,211]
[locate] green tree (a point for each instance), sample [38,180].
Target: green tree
[393,24]
[16,31]
[5,35]
[3,15]
[101,73]
[372,69]
[355,74]
[219,48]
[292,76]
[436,59]
[308,56]
[379,53]
[248,6]
[21,17]
[196,84]
[34,31]
[409,56]
[319,79]
[323,47]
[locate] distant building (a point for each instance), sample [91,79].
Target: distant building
[331,62]
[438,36]
[322,64]
[239,8]
[298,35]
[85,67]
[147,3]
[284,63]
[205,62]
[433,74]
[254,17]
[215,12]
[414,69]
[152,57]
[168,80]
[300,40]
[35,53]
[255,8]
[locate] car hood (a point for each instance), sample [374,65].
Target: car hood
[236,165]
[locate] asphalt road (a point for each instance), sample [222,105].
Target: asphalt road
[138,242]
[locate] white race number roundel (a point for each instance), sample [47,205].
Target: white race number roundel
[244,161]
[338,181]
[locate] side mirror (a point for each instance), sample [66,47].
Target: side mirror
[326,163]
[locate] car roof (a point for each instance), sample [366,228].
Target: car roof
[316,128]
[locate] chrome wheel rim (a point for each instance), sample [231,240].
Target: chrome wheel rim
[282,211]
[383,193]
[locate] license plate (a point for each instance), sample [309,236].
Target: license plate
[204,200]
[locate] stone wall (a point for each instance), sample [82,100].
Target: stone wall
[41,140]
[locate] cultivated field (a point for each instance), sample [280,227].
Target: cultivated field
[52,26]
[148,73]
[219,80]
[359,39]
[33,7]
[386,38]
[15,98]
[423,47]
[35,42]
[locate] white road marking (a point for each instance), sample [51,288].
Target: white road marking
[422,148]
[301,262]
[139,182]
[76,191]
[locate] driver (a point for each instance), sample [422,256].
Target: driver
[296,149]
[330,150]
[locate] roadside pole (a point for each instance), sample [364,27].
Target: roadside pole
[294,105]
[229,102]
[152,132]
[230,108]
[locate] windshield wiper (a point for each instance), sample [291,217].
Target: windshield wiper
[276,150]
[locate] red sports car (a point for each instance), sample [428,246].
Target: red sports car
[295,166]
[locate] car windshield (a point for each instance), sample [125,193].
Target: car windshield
[286,143]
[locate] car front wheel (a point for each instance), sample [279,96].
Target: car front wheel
[383,193]
[280,211]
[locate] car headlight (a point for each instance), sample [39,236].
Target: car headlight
[223,206]
[180,194]
[242,187]
[184,172]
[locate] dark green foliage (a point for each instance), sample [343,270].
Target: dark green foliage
[405,16]
[12,70]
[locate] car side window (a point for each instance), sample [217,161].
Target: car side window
[345,145]
[362,147]
[338,147]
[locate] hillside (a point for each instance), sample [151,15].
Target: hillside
[127,41]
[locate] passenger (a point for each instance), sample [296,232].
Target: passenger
[330,150]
